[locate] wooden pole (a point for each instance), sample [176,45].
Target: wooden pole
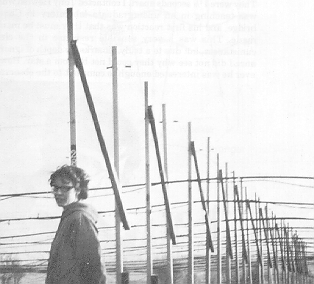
[258,240]
[169,244]
[228,235]
[265,227]
[274,241]
[111,171]
[191,222]
[279,238]
[255,232]
[237,279]
[283,235]
[161,174]
[228,250]
[245,259]
[218,227]
[270,262]
[119,240]
[207,222]
[248,242]
[71,89]
[148,185]
[261,242]
[208,251]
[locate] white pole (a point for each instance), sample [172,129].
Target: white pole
[237,280]
[218,228]
[71,88]
[169,240]
[119,240]
[208,251]
[148,205]
[191,234]
[228,259]
[248,242]
[243,261]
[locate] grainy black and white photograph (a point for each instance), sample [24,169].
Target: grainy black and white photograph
[158,142]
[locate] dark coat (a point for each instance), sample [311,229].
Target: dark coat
[75,255]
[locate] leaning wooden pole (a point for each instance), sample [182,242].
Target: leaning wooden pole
[244,252]
[270,266]
[245,259]
[207,222]
[119,240]
[162,176]
[228,235]
[208,251]
[218,227]
[148,185]
[228,247]
[112,174]
[71,88]
[169,244]
[190,217]
[261,241]
[237,275]
[265,229]
[248,242]
[255,232]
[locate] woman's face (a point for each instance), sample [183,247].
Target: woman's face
[64,192]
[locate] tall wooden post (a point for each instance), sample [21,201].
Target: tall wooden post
[228,259]
[269,269]
[119,241]
[237,280]
[148,185]
[169,240]
[208,251]
[71,88]
[258,240]
[244,245]
[261,243]
[248,242]
[191,223]
[218,228]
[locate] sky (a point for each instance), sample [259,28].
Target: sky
[241,72]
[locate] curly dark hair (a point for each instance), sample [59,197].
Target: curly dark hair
[76,175]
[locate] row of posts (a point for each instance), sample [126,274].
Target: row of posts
[293,258]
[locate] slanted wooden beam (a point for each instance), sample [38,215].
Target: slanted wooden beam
[266,237]
[281,247]
[255,232]
[112,174]
[161,173]
[244,252]
[202,197]
[229,246]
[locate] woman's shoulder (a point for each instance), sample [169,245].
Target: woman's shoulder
[80,210]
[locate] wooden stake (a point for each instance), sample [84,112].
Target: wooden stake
[248,242]
[208,251]
[229,254]
[148,184]
[119,240]
[255,232]
[169,244]
[112,174]
[202,198]
[237,280]
[228,235]
[71,89]
[191,222]
[161,174]
[218,227]
[246,258]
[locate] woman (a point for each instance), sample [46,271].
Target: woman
[75,255]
